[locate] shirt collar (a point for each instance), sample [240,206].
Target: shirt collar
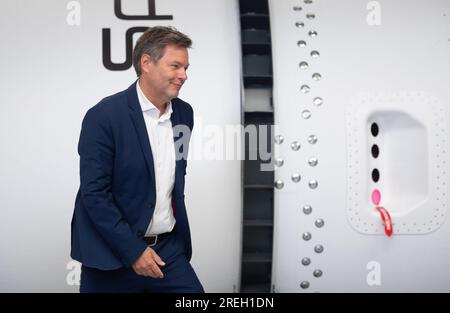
[147,105]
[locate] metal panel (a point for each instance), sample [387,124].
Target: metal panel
[338,67]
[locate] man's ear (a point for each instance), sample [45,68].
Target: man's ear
[146,62]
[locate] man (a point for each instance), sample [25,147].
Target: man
[129,228]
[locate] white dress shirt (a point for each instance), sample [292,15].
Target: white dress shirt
[160,133]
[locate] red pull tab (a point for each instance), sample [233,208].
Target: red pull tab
[387,221]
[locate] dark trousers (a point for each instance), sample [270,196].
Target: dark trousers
[179,276]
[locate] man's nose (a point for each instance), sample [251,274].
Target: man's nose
[182,75]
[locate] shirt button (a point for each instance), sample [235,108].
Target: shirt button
[140,233]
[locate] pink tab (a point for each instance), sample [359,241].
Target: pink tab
[376,197]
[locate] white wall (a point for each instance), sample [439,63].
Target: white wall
[51,74]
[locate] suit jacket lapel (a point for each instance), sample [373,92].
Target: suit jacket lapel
[175,119]
[141,129]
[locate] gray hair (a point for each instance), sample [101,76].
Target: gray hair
[154,41]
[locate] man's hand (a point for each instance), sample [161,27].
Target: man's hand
[147,264]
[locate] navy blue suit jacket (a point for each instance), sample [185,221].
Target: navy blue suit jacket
[117,194]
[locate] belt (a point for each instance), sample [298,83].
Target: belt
[153,239]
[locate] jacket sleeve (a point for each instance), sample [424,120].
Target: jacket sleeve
[96,149]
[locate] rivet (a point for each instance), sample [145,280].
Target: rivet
[295,145]
[319,223]
[313,161]
[304,285]
[296,177]
[279,184]
[307,236]
[306,114]
[317,273]
[307,209]
[312,139]
[313,184]
[318,249]
[279,139]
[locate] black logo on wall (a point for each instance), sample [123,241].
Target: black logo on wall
[106,35]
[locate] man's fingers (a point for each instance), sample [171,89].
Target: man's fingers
[148,272]
[148,264]
[137,270]
[158,259]
[156,271]
[140,272]
[153,271]
[152,268]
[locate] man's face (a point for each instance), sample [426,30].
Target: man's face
[165,77]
